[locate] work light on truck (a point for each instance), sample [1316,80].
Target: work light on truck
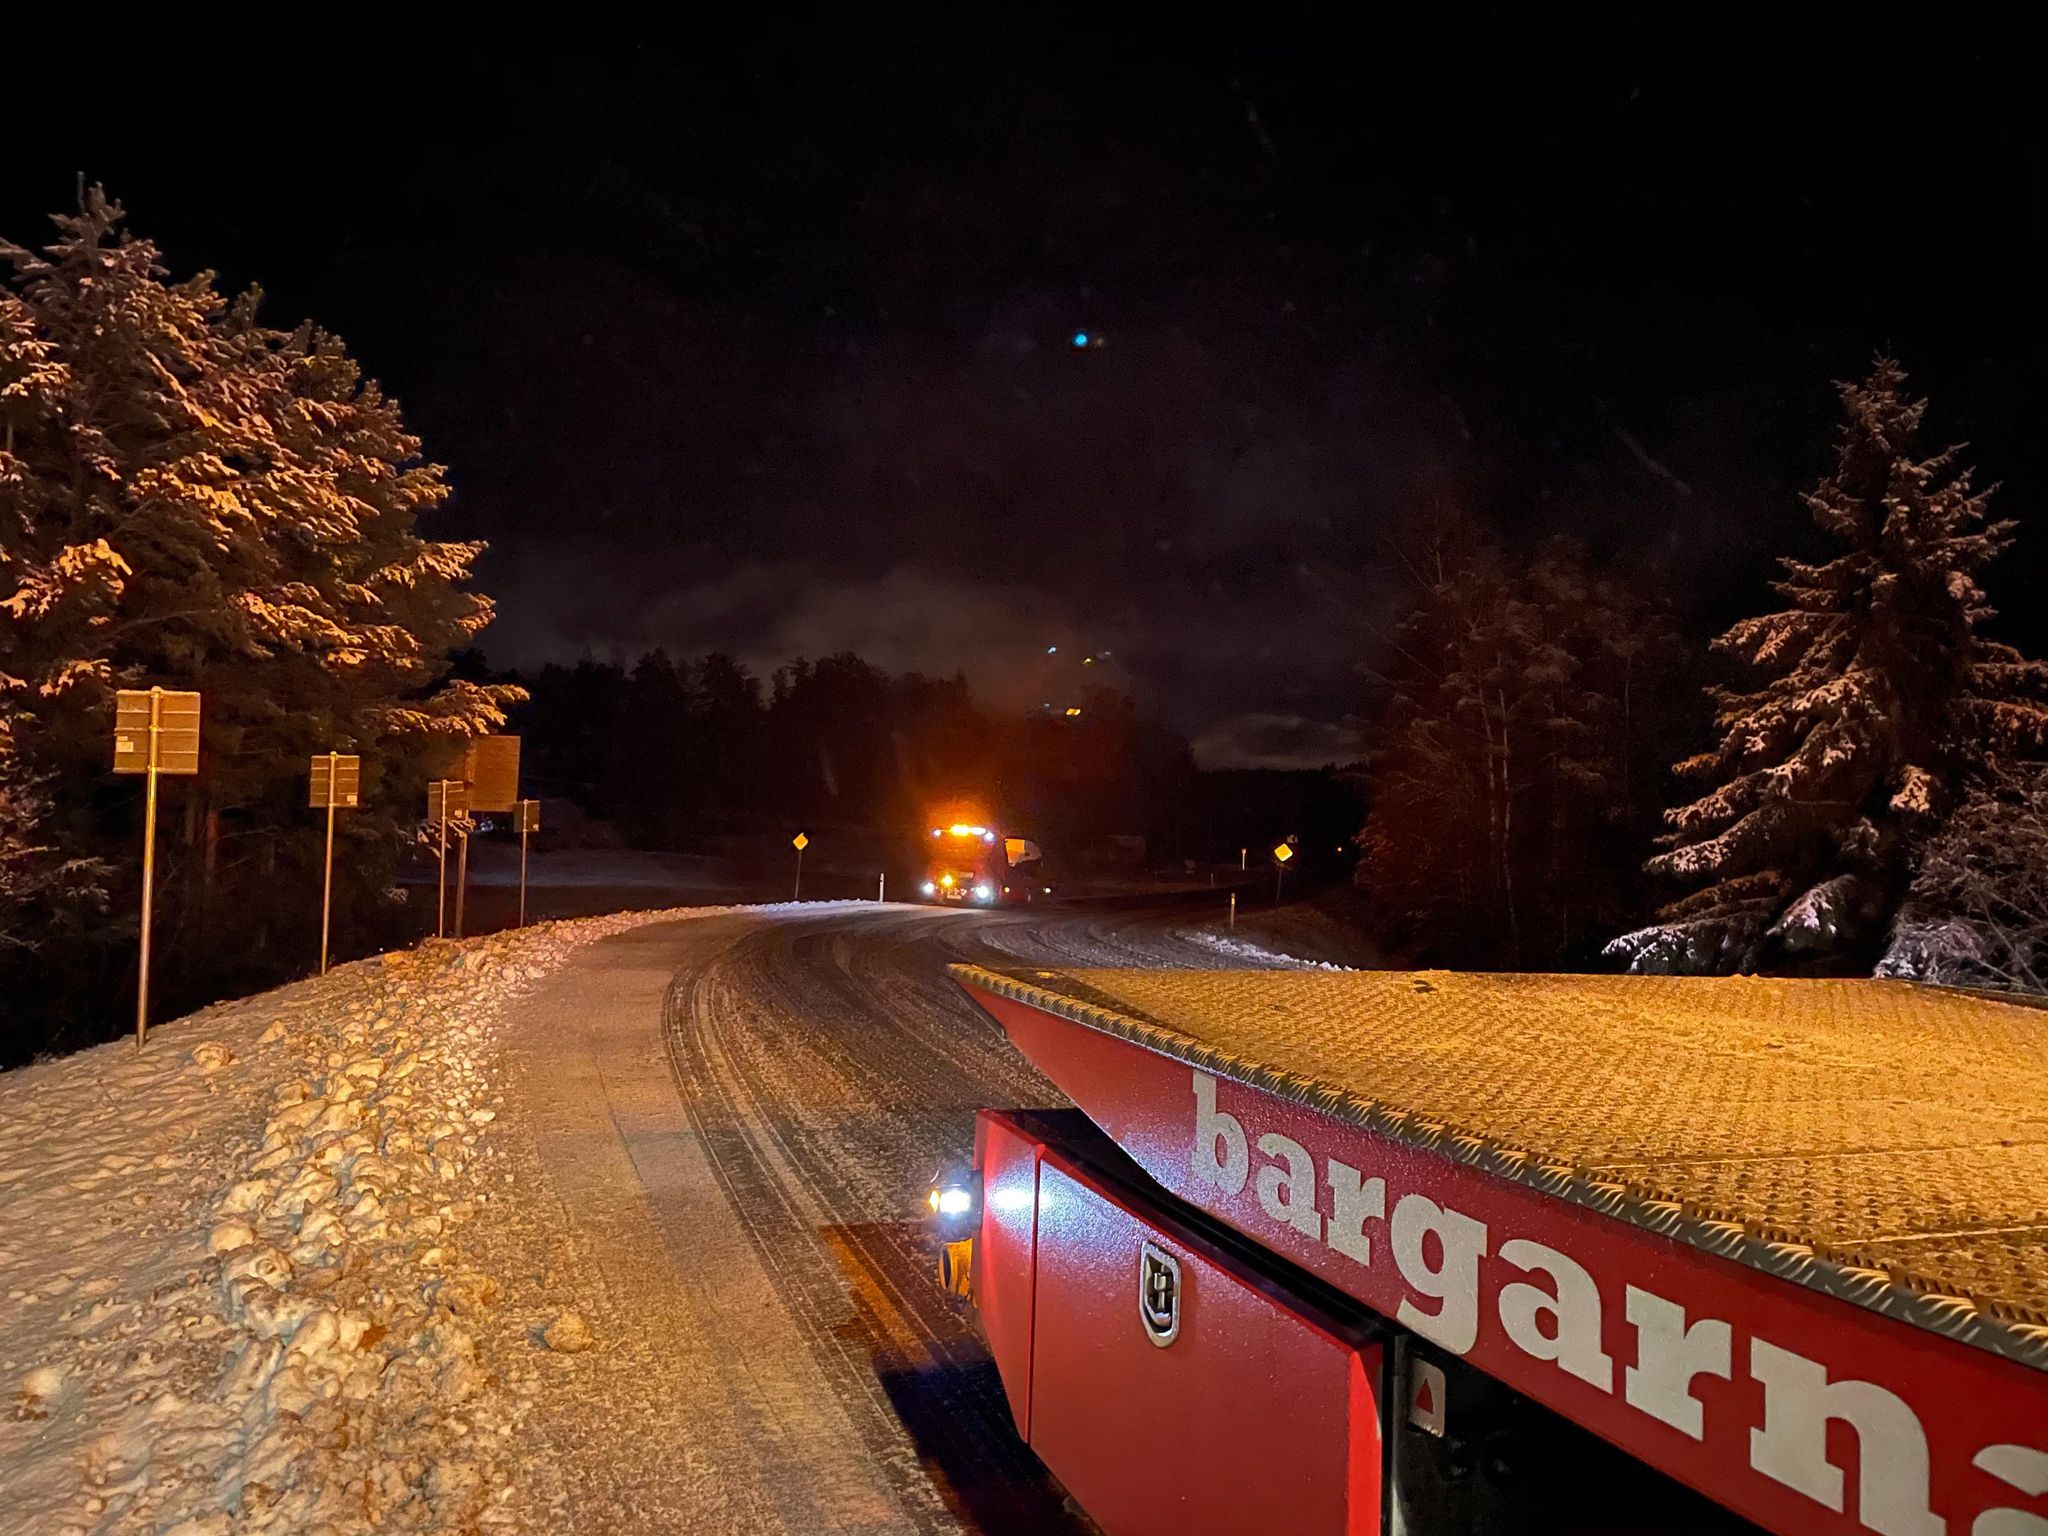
[954,1200]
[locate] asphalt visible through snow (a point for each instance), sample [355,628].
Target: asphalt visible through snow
[737,1117]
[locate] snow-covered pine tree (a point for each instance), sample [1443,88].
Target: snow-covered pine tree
[1879,698]
[190,498]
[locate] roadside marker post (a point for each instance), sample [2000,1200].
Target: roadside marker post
[527,814]
[882,887]
[156,731]
[445,801]
[1233,911]
[461,875]
[336,783]
[800,842]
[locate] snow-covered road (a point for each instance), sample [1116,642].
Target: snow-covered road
[738,1118]
[603,1226]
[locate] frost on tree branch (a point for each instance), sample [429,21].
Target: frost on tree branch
[1977,912]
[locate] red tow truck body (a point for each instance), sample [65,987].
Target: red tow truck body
[1382,1252]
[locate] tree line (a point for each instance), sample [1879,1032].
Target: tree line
[679,752]
[1871,786]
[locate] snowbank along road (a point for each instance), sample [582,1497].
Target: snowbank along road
[605,1226]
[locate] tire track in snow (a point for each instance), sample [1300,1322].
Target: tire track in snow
[830,1066]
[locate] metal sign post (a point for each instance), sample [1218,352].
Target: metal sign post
[1281,855]
[800,842]
[155,732]
[461,875]
[336,783]
[444,802]
[527,814]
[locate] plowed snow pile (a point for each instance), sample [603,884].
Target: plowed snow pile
[235,1291]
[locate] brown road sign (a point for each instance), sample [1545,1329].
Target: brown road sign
[445,758]
[447,800]
[343,789]
[492,769]
[526,816]
[177,730]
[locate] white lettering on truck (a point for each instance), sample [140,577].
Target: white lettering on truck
[1229,1169]
[1354,1200]
[1436,1250]
[1669,1354]
[1287,1189]
[1572,1305]
[1792,1445]
[1453,1282]
[2017,1466]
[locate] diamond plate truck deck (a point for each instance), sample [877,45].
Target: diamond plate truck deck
[1885,1142]
[1785,1241]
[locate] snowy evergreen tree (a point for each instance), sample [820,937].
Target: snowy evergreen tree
[190,498]
[1879,698]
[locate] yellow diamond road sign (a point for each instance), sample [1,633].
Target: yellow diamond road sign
[800,842]
[1283,853]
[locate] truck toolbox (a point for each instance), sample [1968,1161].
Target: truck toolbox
[1173,1388]
[1781,1242]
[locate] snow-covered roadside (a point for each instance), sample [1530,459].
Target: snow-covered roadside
[1257,954]
[235,1289]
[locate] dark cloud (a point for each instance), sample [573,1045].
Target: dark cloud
[1260,740]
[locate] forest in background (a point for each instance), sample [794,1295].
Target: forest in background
[672,751]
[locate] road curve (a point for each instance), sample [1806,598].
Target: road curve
[735,1116]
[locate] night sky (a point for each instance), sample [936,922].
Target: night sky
[764,342]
